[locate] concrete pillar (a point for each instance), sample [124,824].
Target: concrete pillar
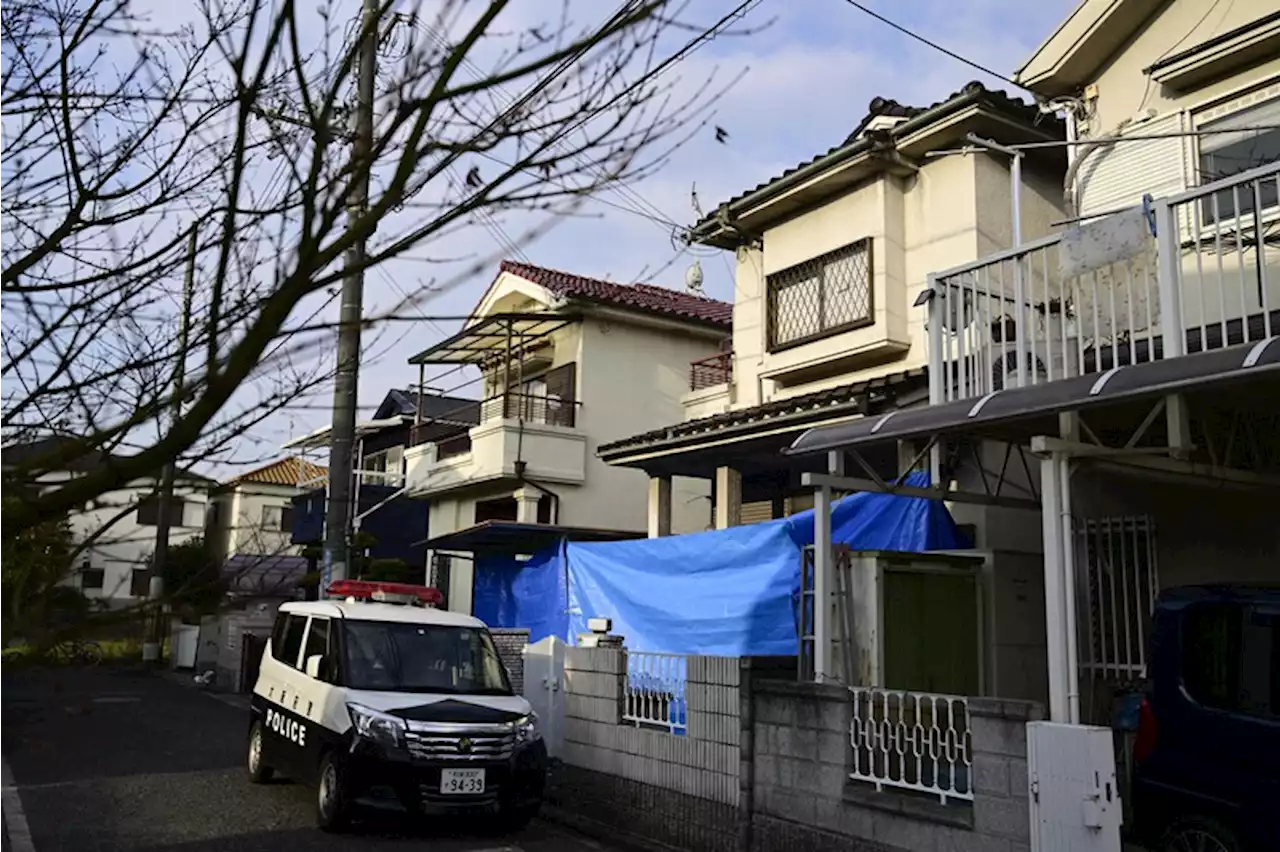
[728,498]
[659,506]
[527,505]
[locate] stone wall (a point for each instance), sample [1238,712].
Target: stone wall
[804,799]
[618,778]
[765,766]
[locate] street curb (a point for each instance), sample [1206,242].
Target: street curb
[16,828]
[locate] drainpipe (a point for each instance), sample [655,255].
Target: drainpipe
[520,466]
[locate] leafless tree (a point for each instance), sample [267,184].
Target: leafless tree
[124,136]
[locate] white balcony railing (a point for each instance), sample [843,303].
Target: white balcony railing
[1209,278]
[912,741]
[654,695]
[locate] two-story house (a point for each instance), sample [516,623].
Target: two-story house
[568,363]
[120,526]
[393,525]
[250,530]
[831,256]
[1111,388]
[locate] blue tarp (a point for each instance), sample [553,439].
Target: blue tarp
[724,592]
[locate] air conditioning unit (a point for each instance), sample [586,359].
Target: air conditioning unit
[1005,361]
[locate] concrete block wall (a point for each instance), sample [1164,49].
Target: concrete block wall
[679,790]
[803,796]
[510,643]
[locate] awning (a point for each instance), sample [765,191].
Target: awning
[512,537]
[483,340]
[1020,412]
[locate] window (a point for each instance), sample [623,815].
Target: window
[140,583]
[318,643]
[1230,658]
[1223,155]
[92,578]
[277,518]
[286,638]
[406,657]
[148,514]
[826,295]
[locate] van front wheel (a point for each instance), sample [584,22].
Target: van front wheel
[1200,834]
[333,810]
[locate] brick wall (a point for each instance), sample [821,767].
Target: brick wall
[511,642]
[681,791]
[803,797]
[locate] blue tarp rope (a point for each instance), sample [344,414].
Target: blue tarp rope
[726,592]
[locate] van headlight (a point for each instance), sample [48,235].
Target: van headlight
[526,729]
[377,727]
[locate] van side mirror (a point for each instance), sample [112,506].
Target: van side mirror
[316,667]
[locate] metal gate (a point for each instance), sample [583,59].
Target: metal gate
[544,689]
[1117,583]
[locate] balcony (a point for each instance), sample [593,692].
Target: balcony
[539,430]
[1109,294]
[709,372]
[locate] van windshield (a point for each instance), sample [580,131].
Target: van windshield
[401,657]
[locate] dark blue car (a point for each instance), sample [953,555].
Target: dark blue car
[1207,754]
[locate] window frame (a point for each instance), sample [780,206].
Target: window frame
[280,633]
[773,286]
[1206,118]
[1239,613]
[305,650]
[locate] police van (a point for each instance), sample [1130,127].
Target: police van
[375,698]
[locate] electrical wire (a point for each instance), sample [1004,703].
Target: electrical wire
[984,69]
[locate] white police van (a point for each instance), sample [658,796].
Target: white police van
[395,705]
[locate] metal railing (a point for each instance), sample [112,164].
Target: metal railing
[709,372]
[1015,319]
[912,741]
[1220,261]
[1035,314]
[654,693]
[531,408]
[1118,581]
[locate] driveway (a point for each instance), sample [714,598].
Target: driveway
[118,759]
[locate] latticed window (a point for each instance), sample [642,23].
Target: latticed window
[828,294]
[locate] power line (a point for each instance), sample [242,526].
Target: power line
[984,69]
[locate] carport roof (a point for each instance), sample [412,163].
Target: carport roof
[1031,409]
[514,537]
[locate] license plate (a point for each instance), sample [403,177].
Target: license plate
[461,782]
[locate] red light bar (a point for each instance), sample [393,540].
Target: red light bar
[372,590]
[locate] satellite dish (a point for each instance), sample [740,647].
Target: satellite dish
[693,278]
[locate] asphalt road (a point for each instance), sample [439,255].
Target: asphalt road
[125,760]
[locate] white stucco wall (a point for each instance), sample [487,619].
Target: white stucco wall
[954,210]
[126,545]
[240,528]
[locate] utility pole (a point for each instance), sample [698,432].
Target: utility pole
[338,511]
[164,506]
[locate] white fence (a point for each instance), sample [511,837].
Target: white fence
[912,741]
[1054,308]
[655,691]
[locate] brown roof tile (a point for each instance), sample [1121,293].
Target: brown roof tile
[643,297]
[286,471]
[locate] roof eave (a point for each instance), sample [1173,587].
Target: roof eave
[1082,43]
[749,214]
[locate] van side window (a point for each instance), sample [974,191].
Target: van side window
[1211,655]
[1230,655]
[286,650]
[318,643]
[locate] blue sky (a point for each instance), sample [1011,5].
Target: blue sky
[810,77]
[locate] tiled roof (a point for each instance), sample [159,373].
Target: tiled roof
[973,93]
[286,471]
[816,403]
[445,409]
[642,297]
